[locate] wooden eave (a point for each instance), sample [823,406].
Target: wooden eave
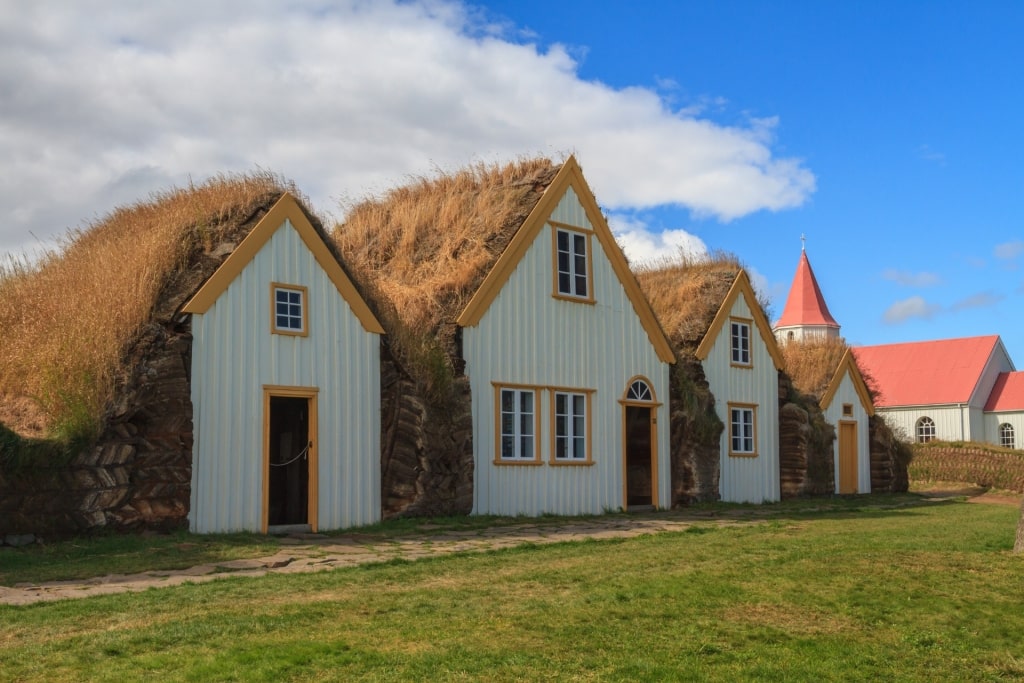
[570,175]
[741,287]
[848,365]
[285,209]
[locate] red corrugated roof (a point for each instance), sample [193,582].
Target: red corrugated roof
[1008,392]
[922,373]
[805,304]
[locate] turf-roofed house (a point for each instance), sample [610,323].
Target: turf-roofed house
[524,371]
[740,431]
[866,455]
[200,356]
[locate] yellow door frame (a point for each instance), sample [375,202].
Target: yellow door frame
[310,394]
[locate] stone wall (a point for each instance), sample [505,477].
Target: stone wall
[426,444]
[695,431]
[969,464]
[137,476]
[890,458]
[806,465]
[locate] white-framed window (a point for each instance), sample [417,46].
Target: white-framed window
[570,426]
[517,425]
[739,334]
[288,309]
[572,264]
[742,430]
[1006,435]
[925,430]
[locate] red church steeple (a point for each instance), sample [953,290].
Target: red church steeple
[806,313]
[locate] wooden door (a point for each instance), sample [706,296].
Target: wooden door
[848,457]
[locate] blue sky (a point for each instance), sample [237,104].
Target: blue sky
[908,115]
[887,133]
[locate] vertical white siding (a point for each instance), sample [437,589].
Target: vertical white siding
[1016,419]
[234,355]
[746,480]
[951,422]
[529,337]
[847,393]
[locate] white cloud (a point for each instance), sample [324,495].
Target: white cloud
[1008,251]
[643,245]
[980,300]
[908,279]
[914,307]
[106,102]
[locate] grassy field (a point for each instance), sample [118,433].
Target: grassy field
[928,592]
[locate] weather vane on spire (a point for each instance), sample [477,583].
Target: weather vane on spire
[803,242]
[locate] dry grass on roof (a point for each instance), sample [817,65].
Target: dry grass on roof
[425,247]
[686,293]
[812,363]
[68,319]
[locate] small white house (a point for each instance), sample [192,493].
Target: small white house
[741,361]
[847,405]
[285,387]
[569,369]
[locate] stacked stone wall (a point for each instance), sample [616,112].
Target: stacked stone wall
[426,444]
[969,464]
[137,476]
[695,432]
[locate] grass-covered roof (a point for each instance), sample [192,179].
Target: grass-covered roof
[426,247]
[812,363]
[686,294]
[69,319]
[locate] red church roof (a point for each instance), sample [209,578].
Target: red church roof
[1008,392]
[805,305]
[923,373]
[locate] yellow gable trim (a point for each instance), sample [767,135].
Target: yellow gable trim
[741,287]
[285,209]
[848,365]
[570,175]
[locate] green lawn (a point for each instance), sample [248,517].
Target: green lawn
[929,592]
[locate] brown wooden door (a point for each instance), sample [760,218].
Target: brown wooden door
[848,457]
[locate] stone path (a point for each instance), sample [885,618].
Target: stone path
[315,552]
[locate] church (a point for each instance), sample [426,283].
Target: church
[963,389]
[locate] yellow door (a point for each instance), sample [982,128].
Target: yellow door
[847,457]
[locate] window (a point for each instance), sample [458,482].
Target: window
[517,419]
[572,267]
[288,309]
[1006,435]
[740,333]
[742,435]
[639,391]
[570,426]
[925,430]
[847,410]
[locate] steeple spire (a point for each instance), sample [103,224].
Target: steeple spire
[806,314]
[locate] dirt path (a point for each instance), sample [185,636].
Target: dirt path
[315,552]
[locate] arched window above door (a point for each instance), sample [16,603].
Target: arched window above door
[639,390]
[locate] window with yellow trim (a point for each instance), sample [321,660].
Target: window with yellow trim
[742,430]
[570,426]
[289,309]
[571,260]
[739,335]
[518,422]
